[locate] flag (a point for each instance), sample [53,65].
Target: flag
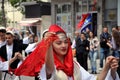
[87,23]
[80,24]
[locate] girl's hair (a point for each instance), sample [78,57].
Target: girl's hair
[59,32]
[116,37]
[92,33]
[43,35]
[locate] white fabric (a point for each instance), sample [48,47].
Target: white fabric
[26,40]
[30,47]
[73,44]
[94,42]
[84,75]
[9,49]
[108,77]
[4,65]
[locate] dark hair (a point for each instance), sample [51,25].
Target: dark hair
[82,33]
[116,37]
[92,33]
[9,34]
[3,30]
[59,32]
[44,34]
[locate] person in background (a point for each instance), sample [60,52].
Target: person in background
[94,43]
[82,50]
[2,36]
[2,42]
[77,34]
[114,29]
[4,65]
[105,38]
[28,38]
[10,49]
[57,61]
[73,46]
[87,33]
[115,43]
[115,46]
[32,46]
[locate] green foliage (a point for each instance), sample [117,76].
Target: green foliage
[14,2]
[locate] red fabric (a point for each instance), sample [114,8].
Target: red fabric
[55,28]
[2,59]
[67,67]
[84,16]
[33,63]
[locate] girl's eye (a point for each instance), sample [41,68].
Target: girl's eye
[66,41]
[58,43]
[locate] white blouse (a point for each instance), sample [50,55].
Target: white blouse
[4,66]
[83,74]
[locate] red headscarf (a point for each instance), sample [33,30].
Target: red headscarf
[32,65]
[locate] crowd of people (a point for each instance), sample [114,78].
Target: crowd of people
[12,45]
[109,45]
[52,57]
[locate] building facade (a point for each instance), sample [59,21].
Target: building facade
[36,13]
[68,13]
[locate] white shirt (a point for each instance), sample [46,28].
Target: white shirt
[26,40]
[73,44]
[9,49]
[30,48]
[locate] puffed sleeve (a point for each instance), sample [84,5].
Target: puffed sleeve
[42,75]
[4,65]
[87,76]
[109,77]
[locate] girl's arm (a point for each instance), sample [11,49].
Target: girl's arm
[111,63]
[49,62]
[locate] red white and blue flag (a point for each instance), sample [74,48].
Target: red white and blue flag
[85,22]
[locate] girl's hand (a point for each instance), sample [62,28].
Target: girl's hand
[114,64]
[50,37]
[108,62]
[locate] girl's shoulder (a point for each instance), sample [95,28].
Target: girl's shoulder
[76,63]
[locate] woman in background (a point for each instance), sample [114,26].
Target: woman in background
[94,43]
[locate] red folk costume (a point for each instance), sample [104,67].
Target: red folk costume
[32,65]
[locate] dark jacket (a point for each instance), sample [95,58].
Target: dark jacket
[16,48]
[81,46]
[104,39]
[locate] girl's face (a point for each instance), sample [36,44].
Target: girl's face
[61,45]
[91,34]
